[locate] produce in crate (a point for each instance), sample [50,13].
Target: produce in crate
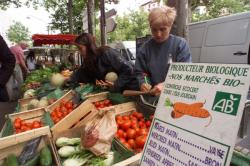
[133,130]
[72,154]
[62,110]
[57,79]
[23,125]
[103,103]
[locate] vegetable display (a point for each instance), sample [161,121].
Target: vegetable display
[103,104]
[23,125]
[133,130]
[61,111]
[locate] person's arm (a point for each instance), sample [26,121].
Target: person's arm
[22,62]
[140,69]
[7,60]
[123,68]
[183,52]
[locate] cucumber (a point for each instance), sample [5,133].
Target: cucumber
[32,162]
[45,157]
[11,160]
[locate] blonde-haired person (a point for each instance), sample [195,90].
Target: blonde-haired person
[155,55]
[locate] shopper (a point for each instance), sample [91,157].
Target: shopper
[7,64]
[31,60]
[97,62]
[155,55]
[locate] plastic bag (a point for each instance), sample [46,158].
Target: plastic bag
[98,134]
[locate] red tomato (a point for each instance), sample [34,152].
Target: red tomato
[22,122]
[148,123]
[106,102]
[18,120]
[29,124]
[119,123]
[142,132]
[126,125]
[101,106]
[131,143]
[134,125]
[140,141]
[62,103]
[59,114]
[122,140]
[142,124]
[63,109]
[97,104]
[125,135]
[57,109]
[69,105]
[125,117]
[18,131]
[127,145]
[120,133]
[17,124]
[109,105]
[53,113]
[118,117]
[139,115]
[131,133]
[151,117]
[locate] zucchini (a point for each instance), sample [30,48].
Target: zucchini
[11,160]
[45,157]
[32,162]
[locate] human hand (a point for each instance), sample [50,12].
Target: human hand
[156,90]
[145,87]
[104,84]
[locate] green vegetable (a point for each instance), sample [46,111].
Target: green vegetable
[78,160]
[8,129]
[106,160]
[63,141]
[32,162]
[67,151]
[45,156]
[11,160]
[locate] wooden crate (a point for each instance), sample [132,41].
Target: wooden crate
[28,116]
[97,97]
[66,97]
[14,144]
[74,117]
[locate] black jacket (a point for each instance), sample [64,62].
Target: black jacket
[7,61]
[110,61]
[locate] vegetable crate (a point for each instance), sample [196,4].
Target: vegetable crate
[119,108]
[11,147]
[75,114]
[24,121]
[23,103]
[133,124]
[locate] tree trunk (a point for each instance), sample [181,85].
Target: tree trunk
[103,23]
[70,12]
[180,25]
[91,16]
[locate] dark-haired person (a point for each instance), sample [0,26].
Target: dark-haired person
[31,60]
[98,61]
[7,65]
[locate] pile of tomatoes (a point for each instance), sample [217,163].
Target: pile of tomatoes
[133,130]
[22,125]
[102,104]
[59,112]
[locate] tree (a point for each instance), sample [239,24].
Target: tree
[18,32]
[130,26]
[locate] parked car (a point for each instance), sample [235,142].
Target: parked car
[126,48]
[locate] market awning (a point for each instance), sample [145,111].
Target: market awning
[60,39]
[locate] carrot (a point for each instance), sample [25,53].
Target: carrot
[194,110]
[176,114]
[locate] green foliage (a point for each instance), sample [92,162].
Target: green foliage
[217,8]
[18,32]
[4,4]
[129,26]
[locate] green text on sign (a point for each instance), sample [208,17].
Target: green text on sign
[227,103]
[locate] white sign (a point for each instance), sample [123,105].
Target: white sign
[198,115]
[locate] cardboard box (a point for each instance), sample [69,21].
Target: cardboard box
[14,144]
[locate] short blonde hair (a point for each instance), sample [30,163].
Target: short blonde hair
[162,15]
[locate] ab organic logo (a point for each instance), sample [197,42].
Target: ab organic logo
[227,103]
